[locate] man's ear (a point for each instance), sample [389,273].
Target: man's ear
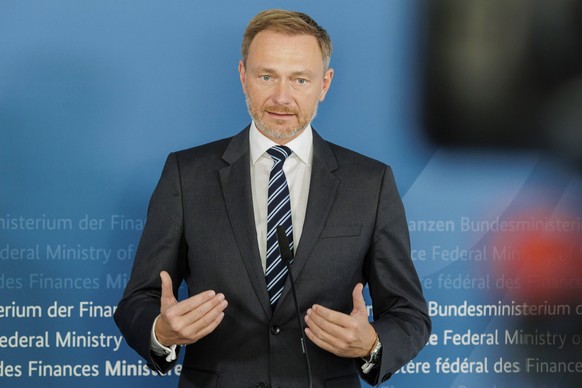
[327,77]
[242,74]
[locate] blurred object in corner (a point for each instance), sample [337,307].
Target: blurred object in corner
[505,73]
[541,260]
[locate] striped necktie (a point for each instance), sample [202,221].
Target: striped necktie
[278,214]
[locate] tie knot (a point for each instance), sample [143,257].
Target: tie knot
[279,153]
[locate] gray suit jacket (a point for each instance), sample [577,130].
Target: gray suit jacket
[200,228]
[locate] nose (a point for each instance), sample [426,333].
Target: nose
[282,93]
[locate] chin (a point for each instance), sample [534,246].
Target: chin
[279,134]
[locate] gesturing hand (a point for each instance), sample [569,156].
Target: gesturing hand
[185,322]
[341,334]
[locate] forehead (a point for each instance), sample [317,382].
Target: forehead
[272,46]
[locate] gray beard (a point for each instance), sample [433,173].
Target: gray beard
[269,132]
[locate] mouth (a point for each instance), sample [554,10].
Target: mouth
[280,115]
[280,112]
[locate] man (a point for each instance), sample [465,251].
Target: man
[212,221]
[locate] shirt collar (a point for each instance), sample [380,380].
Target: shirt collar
[301,146]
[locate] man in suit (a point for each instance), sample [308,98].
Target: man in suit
[211,223]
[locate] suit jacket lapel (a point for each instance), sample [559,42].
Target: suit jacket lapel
[322,192]
[236,185]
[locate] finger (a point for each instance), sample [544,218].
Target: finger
[168,299]
[205,324]
[358,299]
[212,326]
[335,317]
[329,343]
[317,341]
[319,337]
[324,325]
[205,308]
[190,304]
[183,330]
[325,331]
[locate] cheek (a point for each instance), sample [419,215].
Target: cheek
[256,95]
[309,103]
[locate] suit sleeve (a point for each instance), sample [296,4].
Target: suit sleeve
[400,313]
[161,247]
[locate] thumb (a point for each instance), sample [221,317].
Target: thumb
[168,298]
[359,302]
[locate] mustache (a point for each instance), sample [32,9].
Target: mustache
[280,109]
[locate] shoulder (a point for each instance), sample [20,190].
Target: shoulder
[211,149]
[338,159]
[219,152]
[352,160]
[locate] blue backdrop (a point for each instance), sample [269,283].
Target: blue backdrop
[94,94]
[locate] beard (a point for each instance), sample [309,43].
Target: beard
[273,131]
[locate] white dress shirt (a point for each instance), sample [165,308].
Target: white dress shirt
[297,169]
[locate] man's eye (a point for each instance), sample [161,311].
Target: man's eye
[301,81]
[266,77]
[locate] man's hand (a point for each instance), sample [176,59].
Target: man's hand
[185,322]
[343,335]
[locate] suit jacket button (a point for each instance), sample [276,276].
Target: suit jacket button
[275,330]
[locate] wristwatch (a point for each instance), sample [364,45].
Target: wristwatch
[375,352]
[374,356]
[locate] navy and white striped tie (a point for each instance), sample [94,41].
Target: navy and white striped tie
[278,214]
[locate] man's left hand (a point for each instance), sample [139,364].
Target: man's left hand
[341,334]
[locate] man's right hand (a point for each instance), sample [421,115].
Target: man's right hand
[185,322]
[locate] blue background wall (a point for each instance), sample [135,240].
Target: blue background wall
[94,94]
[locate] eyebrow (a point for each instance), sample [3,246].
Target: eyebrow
[297,73]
